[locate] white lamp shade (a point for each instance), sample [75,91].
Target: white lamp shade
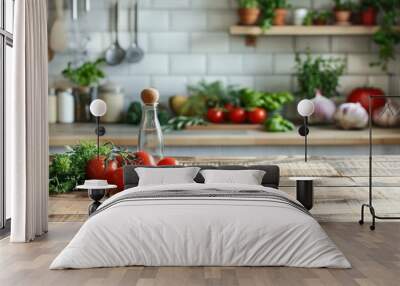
[305,108]
[98,108]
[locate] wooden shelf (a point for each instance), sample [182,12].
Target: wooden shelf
[305,30]
[127,135]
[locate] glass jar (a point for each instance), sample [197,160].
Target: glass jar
[65,106]
[113,96]
[150,133]
[83,96]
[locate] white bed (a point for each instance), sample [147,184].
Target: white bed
[246,225]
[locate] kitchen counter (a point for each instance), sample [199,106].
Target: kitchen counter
[236,140]
[126,135]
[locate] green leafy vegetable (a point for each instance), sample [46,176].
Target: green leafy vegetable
[68,169]
[278,124]
[270,101]
[134,113]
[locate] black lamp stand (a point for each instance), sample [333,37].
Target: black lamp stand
[370,200]
[100,131]
[303,131]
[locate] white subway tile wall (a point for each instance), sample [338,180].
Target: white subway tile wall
[186,41]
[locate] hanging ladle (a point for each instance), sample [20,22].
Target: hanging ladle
[115,54]
[134,53]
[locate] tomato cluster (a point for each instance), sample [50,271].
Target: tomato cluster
[101,168]
[236,115]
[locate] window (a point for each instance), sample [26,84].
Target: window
[6,44]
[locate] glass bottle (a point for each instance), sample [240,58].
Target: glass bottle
[150,133]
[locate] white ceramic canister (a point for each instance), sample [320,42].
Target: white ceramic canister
[52,106]
[299,15]
[66,106]
[113,96]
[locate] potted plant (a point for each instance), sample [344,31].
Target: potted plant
[368,12]
[343,11]
[280,12]
[273,12]
[85,79]
[322,18]
[318,74]
[249,12]
[317,18]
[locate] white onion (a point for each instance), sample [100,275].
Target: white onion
[324,110]
[351,116]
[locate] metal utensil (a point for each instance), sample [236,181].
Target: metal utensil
[115,54]
[134,53]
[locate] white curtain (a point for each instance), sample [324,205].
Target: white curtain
[26,123]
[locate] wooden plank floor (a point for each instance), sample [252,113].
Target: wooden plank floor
[375,257]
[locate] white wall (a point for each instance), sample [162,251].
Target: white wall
[188,40]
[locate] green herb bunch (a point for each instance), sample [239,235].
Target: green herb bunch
[182,122]
[318,74]
[67,170]
[248,3]
[88,74]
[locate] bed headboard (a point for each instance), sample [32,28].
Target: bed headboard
[271,177]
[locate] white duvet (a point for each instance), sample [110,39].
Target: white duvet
[191,231]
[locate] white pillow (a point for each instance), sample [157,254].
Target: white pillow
[166,176]
[248,177]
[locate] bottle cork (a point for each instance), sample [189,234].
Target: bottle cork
[150,96]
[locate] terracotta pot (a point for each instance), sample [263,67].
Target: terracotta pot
[342,17]
[280,17]
[368,16]
[248,16]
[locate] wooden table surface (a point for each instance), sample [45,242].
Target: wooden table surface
[126,135]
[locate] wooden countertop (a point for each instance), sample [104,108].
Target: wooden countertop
[126,135]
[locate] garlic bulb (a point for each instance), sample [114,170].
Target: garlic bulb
[387,116]
[351,116]
[324,109]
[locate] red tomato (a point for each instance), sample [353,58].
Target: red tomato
[257,115]
[116,177]
[111,166]
[228,107]
[167,161]
[143,158]
[120,160]
[362,94]
[237,115]
[215,115]
[95,168]
[99,168]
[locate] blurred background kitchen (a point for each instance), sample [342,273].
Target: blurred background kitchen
[229,76]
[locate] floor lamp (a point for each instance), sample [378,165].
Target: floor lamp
[98,108]
[305,108]
[370,200]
